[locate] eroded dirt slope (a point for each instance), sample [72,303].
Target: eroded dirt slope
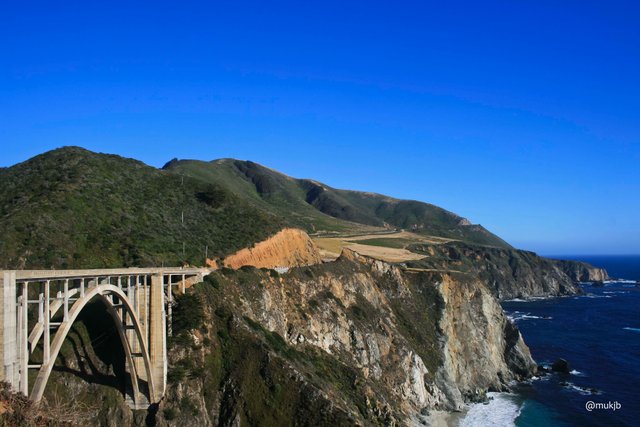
[290,247]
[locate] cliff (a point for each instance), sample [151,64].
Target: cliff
[288,248]
[509,273]
[582,271]
[352,342]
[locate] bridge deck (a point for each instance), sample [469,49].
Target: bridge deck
[64,274]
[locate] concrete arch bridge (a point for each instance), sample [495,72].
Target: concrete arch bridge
[38,308]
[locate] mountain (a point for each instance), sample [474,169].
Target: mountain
[319,208]
[72,208]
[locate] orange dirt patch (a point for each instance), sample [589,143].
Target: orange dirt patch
[288,248]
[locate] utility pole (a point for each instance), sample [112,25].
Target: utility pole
[182,218]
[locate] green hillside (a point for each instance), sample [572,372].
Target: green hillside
[265,189]
[320,208]
[71,208]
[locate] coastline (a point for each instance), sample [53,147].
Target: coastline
[500,408]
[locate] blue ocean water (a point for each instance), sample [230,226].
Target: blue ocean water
[599,335]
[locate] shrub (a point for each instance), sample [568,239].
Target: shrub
[176,374]
[187,313]
[170,414]
[186,406]
[212,280]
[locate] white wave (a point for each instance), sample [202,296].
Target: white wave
[574,372]
[518,315]
[595,296]
[528,299]
[629,328]
[501,410]
[619,281]
[536,378]
[583,391]
[615,292]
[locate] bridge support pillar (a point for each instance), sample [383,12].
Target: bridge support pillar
[9,363]
[157,336]
[141,309]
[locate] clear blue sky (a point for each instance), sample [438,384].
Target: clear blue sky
[523,116]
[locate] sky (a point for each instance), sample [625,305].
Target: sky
[523,116]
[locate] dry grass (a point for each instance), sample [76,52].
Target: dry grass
[17,410]
[331,247]
[384,253]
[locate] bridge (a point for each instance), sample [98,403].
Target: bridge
[38,308]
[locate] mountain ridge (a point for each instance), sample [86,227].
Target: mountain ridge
[73,208]
[318,207]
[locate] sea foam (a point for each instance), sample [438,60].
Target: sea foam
[518,315]
[501,410]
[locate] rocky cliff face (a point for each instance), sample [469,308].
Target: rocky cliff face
[353,342]
[483,350]
[582,272]
[367,342]
[288,248]
[509,273]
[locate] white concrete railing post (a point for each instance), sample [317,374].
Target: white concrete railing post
[46,330]
[23,333]
[145,315]
[8,343]
[41,308]
[169,306]
[66,300]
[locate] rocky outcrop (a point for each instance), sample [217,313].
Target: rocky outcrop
[582,271]
[288,248]
[482,348]
[509,273]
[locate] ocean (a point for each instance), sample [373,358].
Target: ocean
[599,335]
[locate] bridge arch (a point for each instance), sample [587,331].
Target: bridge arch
[136,299]
[106,293]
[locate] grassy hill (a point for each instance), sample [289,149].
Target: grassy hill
[72,208]
[264,189]
[320,208]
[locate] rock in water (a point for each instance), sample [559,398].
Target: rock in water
[561,366]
